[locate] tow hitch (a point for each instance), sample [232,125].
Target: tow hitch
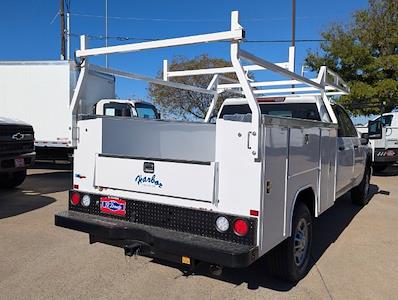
[133,248]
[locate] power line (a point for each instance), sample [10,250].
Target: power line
[125,38]
[190,20]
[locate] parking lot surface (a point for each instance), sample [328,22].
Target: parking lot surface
[354,255]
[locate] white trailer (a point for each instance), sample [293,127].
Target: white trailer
[41,92]
[225,193]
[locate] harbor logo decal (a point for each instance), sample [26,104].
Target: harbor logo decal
[148,180]
[113,206]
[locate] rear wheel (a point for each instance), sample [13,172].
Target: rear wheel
[379,168]
[12,179]
[359,194]
[291,259]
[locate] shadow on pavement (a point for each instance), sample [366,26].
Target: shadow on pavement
[327,228]
[31,194]
[50,165]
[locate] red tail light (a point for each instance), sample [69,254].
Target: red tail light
[75,198]
[241,227]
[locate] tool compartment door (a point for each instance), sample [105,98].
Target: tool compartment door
[178,179]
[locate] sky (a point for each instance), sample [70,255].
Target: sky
[29,29]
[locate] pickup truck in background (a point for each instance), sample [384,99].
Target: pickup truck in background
[126,108]
[42,93]
[225,193]
[384,144]
[17,151]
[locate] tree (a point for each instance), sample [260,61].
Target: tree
[183,104]
[365,54]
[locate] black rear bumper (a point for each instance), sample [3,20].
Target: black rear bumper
[158,242]
[385,156]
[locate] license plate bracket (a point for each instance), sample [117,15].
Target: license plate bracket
[19,162]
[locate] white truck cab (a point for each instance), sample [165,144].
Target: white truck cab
[126,108]
[385,147]
[224,193]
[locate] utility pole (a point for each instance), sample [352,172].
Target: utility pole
[292,49]
[62,17]
[293,23]
[106,31]
[68,31]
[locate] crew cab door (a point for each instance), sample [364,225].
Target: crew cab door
[346,152]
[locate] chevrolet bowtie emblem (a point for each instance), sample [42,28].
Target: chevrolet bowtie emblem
[18,136]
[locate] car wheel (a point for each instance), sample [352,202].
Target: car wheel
[12,179]
[360,193]
[379,168]
[291,259]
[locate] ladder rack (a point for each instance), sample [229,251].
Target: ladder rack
[327,82]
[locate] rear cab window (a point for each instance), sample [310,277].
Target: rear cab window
[115,109]
[307,111]
[145,111]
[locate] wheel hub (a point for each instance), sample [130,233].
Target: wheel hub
[300,242]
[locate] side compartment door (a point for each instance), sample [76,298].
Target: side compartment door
[275,187]
[345,152]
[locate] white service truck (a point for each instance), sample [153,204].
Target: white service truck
[384,143]
[225,193]
[41,93]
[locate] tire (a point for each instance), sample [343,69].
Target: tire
[12,179]
[379,168]
[360,193]
[283,261]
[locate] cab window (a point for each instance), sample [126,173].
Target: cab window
[117,109]
[308,111]
[145,111]
[346,127]
[385,120]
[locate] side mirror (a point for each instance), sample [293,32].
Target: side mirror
[364,139]
[375,130]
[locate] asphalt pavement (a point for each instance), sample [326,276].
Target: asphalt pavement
[354,255]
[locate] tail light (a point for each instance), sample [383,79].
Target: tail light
[75,198]
[241,227]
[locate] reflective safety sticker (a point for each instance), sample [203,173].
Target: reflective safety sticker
[186,260]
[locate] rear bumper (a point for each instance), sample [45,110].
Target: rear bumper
[7,163]
[386,156]
[158,242]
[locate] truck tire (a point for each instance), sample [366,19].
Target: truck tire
[379,168]
[12,179]
[291,259]
[359,194]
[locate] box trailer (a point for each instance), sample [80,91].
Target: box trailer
[41,94]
